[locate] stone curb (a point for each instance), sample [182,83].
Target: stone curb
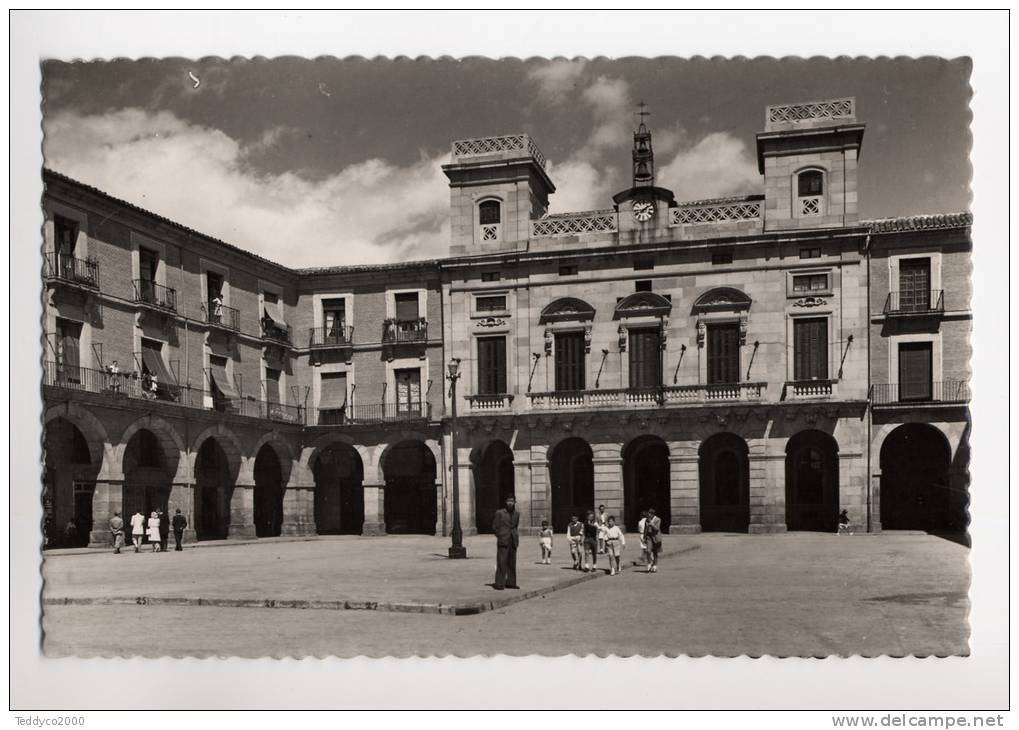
[470,608]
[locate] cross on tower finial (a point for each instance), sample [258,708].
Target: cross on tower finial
[643,111]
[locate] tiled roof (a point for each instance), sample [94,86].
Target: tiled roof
[919,222]
[420,264]
[720,201]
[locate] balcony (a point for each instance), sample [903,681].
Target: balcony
[369,414]
[326,337]
[915,303]
[809,389]
[489,402]
[77,272]
[276,332]
[893,395]
[267,410]
[155,295]
[667,395]
[404,331]
[220,315]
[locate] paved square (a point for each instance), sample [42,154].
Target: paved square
[786,595]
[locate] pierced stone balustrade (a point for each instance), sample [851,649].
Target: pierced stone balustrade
[573,224]
[481,146]
[724,210]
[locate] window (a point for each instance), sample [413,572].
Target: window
[490,276]
[271,297]
[491,365]
[408,390]
[810,349]
[568,269]
[491,303]
[272,386]
[65,235]
[332,398]
[569,361]
[915,371]
[810,283]
[643,264]
[407,307]
[810,191]
[645,358]
[915,285]
[334,316]
[224,394]
[642,285]
[148,264]
[68,351]
[214,289]
[721,257]
[489,212]
[723,353]
[156,378]
[810,253]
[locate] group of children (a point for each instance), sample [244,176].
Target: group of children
[600,535]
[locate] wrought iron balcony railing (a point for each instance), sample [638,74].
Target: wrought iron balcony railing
[276,331]
[898,394]
[268,410]
[64,267]
[155,295]
[336,336]
[220,315]
[369,413]
[915,302]
[398,331]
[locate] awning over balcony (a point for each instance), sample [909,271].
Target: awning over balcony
[333,391]
[269,319]
[152,359]
[222,382]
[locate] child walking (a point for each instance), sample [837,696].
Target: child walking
[640,536]
[615,541]
[590,543]
[545,538]
[575,537]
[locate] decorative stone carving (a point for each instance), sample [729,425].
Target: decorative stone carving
[587,340]
[548,341]
[809,302]
[567,308]
[491,322]
[743,324]
[724,297]
[664,342]
[701,331]
[622,338]
[643,303]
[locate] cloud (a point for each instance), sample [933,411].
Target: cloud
[369,212]
[717,165]
[556,79]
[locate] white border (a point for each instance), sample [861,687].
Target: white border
[977,682]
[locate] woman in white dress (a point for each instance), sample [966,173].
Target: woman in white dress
[153,527]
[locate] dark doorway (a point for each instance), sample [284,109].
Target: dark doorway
[493,482]
[647,481]
[915,487]
[571,470]
[68,485]
[268,493]
[148,476]
[214,491]
[339,491]
[410,497]
[724,466]
[812,482]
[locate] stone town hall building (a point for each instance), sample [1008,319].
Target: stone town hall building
[748,364]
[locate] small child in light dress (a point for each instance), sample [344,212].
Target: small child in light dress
[545,538]
[615,541]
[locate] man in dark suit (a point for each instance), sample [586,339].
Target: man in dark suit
[179,523]
[164,531]
[505,525]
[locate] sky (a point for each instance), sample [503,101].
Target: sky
[338,161]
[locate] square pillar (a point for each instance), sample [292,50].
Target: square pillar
[685,495]
[853,489]
[242,512]
[182,497]
[298,511]
[468,518]
[767,494]
[539,492]
[374,510]
[522,491]
[107,498]
[875,501]
[608,485]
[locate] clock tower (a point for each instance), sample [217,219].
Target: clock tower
[644,206]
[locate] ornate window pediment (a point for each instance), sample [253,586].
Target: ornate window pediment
[722,298]
[567,309]
[643,304]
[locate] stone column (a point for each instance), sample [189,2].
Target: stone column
[242,512]
[767,494]
[468,520]
[374,510]
[182,497]
[608,485]
[540,488]
[107,498]
[875,500]
[685,495]
[298,511]
[522,491]
[853,489]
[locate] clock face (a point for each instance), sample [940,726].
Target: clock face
[643,210]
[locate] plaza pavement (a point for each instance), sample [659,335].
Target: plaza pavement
[783,595]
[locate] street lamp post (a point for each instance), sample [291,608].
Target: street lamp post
[456,549]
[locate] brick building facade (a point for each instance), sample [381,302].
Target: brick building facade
[750,364]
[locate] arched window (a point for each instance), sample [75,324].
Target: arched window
[489,220]
[810,193]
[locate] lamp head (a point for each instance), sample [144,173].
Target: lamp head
[454,367]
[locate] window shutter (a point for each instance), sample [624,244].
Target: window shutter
[810,349]
[491,365]
[272,385]
[645,359]
[914,284]
[569,361]
[915,371]
[407,307]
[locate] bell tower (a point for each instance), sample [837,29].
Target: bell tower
[643,153]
